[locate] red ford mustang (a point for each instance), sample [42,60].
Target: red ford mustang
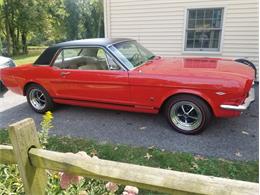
[121,74]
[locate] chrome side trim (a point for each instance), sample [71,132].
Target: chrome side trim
[245,105]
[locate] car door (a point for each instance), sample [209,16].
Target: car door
[89,74]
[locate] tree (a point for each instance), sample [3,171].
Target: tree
[56,14]
[72,19]
[50,28]
[30,19]
[97,12]
[92,18]
[1,46]
[48,21]
[19,18]
[9,13]
[1,28]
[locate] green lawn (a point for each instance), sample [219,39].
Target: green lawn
[28,58]
[240,170]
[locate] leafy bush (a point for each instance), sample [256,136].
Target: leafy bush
[10,180]
[46,125]
[90,186]
[11,183]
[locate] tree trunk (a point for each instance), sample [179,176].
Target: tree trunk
[99,25]
[13,39]
[24,43]
[17,40]
[101,19]
[13,28]
[7,28]
[8,41]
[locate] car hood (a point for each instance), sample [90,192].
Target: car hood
[196,67]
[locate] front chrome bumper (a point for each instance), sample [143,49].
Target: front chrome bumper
[245,105]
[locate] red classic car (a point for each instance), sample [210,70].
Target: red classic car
[121,74]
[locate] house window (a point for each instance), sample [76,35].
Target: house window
[204,29]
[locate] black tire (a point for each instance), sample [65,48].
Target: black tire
[2,87]
[178,121]
[48,105]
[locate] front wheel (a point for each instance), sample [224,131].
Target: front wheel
[39,99]
[187,114]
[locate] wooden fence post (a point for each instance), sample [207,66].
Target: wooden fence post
[23,137]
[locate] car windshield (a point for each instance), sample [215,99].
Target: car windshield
[131,53]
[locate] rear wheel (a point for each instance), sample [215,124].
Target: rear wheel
[187,114]
[39,99]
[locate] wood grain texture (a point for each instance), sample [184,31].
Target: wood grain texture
[24,136]
[7,155]
[172,182]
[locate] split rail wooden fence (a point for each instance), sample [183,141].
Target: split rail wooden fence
[33,162]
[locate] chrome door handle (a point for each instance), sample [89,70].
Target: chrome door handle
[64,73]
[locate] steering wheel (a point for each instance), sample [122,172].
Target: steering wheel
[136,58]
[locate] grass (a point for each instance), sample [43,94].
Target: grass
[239,170]
[37,47]
[27,58]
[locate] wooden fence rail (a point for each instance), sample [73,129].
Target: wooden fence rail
[33,161]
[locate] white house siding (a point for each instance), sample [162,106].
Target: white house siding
[160,25]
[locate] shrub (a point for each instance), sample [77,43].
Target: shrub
[46,125]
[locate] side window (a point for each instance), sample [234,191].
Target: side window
[112,64]
[87,58]
[67,59]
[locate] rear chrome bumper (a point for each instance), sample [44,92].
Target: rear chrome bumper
[245,105]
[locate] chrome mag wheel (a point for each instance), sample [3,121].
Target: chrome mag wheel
[186,115]
[37,99]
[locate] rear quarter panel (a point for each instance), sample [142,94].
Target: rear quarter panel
[15,79]
[12,78]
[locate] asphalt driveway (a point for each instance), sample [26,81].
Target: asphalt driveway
[234,138]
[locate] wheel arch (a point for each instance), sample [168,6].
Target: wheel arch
[28,84]
[204,98]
